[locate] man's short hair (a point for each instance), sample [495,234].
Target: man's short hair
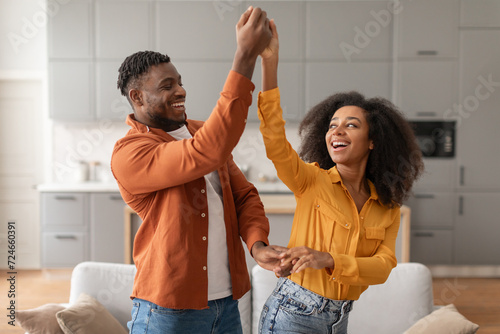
[135,66]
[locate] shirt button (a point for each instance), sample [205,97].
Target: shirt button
[204,267]
[203,215]
[362,217]
[317,205]
[346,224]
[202,191]
[204,238]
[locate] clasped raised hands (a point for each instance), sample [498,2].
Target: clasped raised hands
[253,35]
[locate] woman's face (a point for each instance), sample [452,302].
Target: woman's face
[347,138]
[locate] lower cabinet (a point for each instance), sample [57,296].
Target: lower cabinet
[64,249]
[476,229]
[80,227]
[431,246]
[431,240]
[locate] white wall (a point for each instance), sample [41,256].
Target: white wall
[23,29]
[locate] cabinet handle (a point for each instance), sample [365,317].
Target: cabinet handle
[460,205]
[426,196]
[115,197]
[462,175]
[423,234]
[426,114]
[65,198]
[427,52]
[66,237]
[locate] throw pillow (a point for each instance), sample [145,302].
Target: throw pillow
[446,320]
[40,320]
[88,316]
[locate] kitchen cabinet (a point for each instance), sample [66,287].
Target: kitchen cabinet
[64,229]
[480,13]
[118,36]
[208,31]
[428,28]
[477,115]
[289,17]
[348,30]
[107,237]
[110,104]
[81,226]
[432,209]
[432,227]
[325,79]
[431,246]
[418,84]
[439,175]
[476,229]
[69,31]
[71,90]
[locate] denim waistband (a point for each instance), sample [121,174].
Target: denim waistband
[289,287]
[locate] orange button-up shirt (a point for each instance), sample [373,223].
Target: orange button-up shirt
[326,218]
[162,179]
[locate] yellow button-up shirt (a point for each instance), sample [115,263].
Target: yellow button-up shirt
[326,218]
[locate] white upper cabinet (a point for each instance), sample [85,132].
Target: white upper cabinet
[110,104]
[428,28]
[122,28]
[290,24]
[203,82]
[348,30]
[291,87]
[193,30]
[70,91]
[480,13]
[325,79]
[426,89]
[69,31]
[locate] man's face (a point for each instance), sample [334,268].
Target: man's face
[162,98]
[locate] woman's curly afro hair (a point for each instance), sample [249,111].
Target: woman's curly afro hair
[395,161]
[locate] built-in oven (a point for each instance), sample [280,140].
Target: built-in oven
[435,138]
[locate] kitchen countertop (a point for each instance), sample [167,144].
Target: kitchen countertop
[275,196]
[262,187]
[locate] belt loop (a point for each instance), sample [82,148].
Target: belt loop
[323,305]
[347,306]
[281,281]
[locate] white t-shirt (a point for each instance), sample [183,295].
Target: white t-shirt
[219,277]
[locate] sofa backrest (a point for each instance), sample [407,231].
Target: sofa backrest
[110,283]
[386,308]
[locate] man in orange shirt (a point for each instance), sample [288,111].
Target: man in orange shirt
[179,176]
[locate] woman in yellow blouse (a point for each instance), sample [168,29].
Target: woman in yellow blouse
[357,163]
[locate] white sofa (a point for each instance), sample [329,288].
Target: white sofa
[388,308]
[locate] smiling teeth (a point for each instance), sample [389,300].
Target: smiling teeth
[339,143]
[177,105]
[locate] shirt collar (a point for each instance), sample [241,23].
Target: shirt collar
[335,178]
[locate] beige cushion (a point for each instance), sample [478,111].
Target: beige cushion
[443,321]
[88,316]
[40,320]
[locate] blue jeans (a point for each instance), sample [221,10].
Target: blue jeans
[294,309]
[222,316]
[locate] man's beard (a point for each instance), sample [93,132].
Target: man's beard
[163,122]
